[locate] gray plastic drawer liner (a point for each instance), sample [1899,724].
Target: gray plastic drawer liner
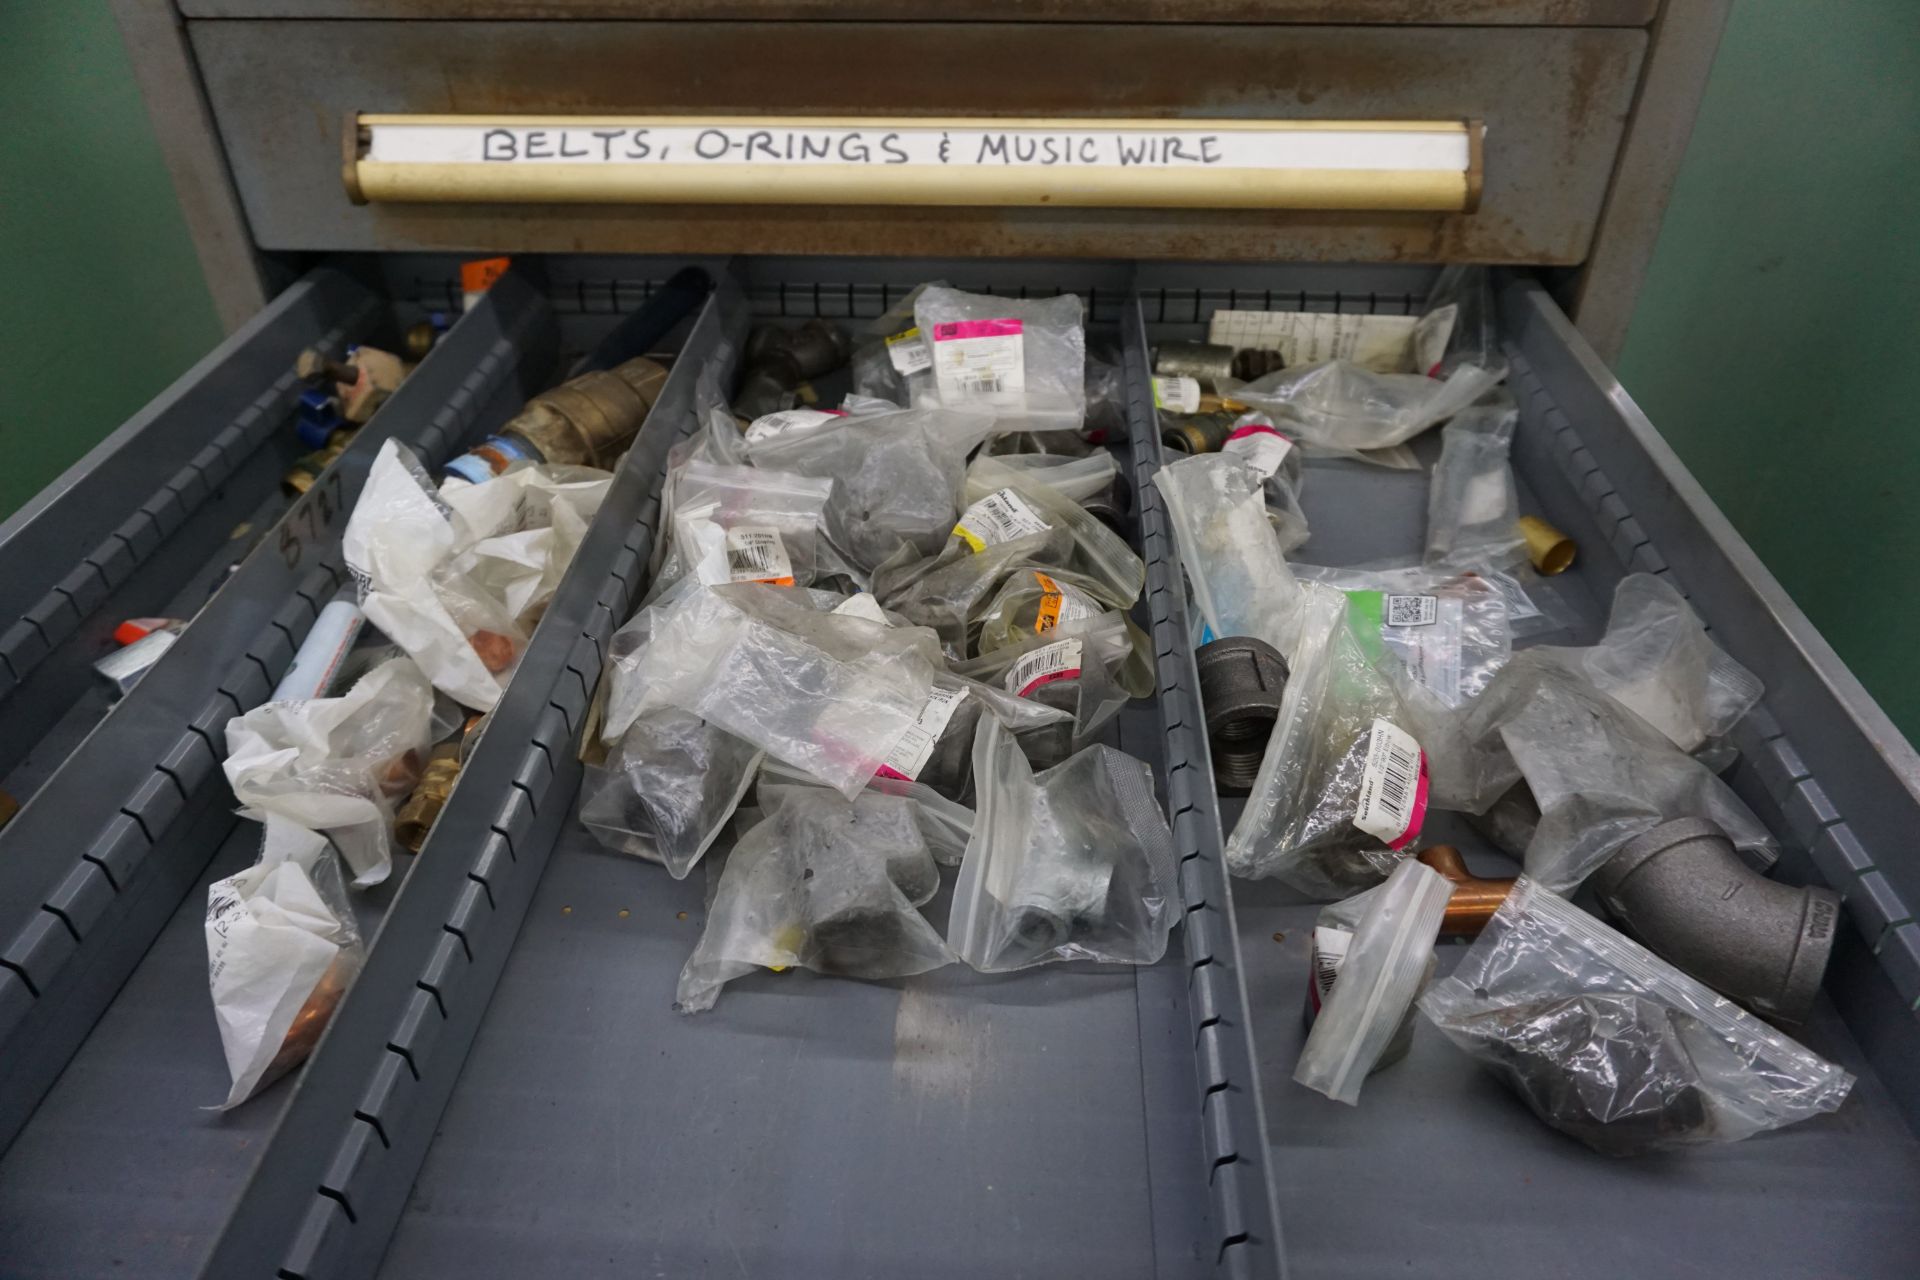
[506,1092]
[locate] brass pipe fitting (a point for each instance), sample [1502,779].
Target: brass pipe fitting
[1550,550]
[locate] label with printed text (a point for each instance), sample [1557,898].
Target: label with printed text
[1263,448]
[1393,787]
[980,360]
[1057,661]
[1411,611]
[910,755]
[1177,395]
[1001,516]
[1061,603]
[909,353]
[756,554]
[767,426]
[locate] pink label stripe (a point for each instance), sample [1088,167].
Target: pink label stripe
[1419,814]
[956,329]
[1070,674]
[1258,429]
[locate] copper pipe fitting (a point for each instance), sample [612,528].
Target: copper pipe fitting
[1474,899]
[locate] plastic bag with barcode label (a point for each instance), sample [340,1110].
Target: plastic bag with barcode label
[1343,789]
[667,788]
[1035,602]
[1234,561]
[1473,504]
[1273,454]
[1089,667]
[898,475]
[282,949]
[337,765]
[1096,551]
[1613,1046]
[747,524]
[1451,631]
[1338,409]
[893,358]
[1073,863]
[1024,359]
[823,882]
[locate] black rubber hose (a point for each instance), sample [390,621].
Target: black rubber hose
[1689,897]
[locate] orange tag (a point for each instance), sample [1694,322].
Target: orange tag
[1049,615]
[477,276]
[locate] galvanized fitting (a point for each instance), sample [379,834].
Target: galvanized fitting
[1241,683]
[1685,893]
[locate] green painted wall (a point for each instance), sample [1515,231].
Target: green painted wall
[1777,342]
[103,301]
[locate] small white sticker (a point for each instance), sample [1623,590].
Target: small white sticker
[863,605]
[909,353]
[1412,611]
[770,425]
[1057,661]
[1177,395]
[910,755]
[1263,447]
[756,554]
[980,360]
[1330,945]
[1001,516]
[1393,787]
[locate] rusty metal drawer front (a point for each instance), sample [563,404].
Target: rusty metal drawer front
[1545,13]
[1554,101]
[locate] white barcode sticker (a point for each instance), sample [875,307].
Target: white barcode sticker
[1412,611]
[770,425]
[1057,661]
[1061,602]
[909,353]
[1263,448]
[863,605]
[1177,395]
[1330,945]
[756,554]
[910,755]
[1001,516]
[980,360]
[1393,787]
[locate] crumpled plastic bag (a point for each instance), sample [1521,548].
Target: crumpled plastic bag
[282,949]
[1235,566]
[1088,667]
[458,576]
[1340,409]
[667,788]
[1022,359]
[337,765]
[1280,464]
[1600,774]
[1075,863]
[1473,504]
[1611,1045]
[1343,789]
[823,882]
[1450,630]
[891,361]
[1657,660]
[899,474]
[747,524]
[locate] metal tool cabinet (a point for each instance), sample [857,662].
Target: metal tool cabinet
[506,1090]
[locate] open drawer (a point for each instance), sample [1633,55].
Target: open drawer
[506,1090]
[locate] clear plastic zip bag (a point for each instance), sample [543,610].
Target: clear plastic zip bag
[1473,504]
[1025,360]
[898,475]
[823,882]
[1451,631]
[829,693]
[1096,551]
[337,765]
[1339,409]
[1075,863]
[1235,567]
[1657,660]
[1087,667]
[1280,463]
[892,359]
[747,524]
[1387,957]
[282,949]
[1600,774]
[1343,788]
[1076,479]
[1611,1045]
[1033,601]
[667,788]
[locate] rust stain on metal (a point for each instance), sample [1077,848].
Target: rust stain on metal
[1431,12]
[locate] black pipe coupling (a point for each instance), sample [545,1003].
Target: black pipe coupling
[1241,683]
[1685,893]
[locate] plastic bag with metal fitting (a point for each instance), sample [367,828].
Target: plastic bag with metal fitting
[1450,629]
[1073,863]
[667,788]
[1339,409]
[1025,360]
[1088,667]
[1473,504]
[748,524]
[1374,967]
[891,359]
[1096,551]
[337,765]
[1233,559]
[898,475]
[1600,774]
[1611,1045]
[823,882]
[1343,788]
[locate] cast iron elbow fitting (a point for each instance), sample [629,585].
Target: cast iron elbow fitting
[1684,892]
[1241,683]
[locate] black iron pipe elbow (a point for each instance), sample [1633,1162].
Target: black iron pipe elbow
[1689,897]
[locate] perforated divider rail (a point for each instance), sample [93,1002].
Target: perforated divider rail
[115,535]
[335,1178]
[1231,1112]
[100,858]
